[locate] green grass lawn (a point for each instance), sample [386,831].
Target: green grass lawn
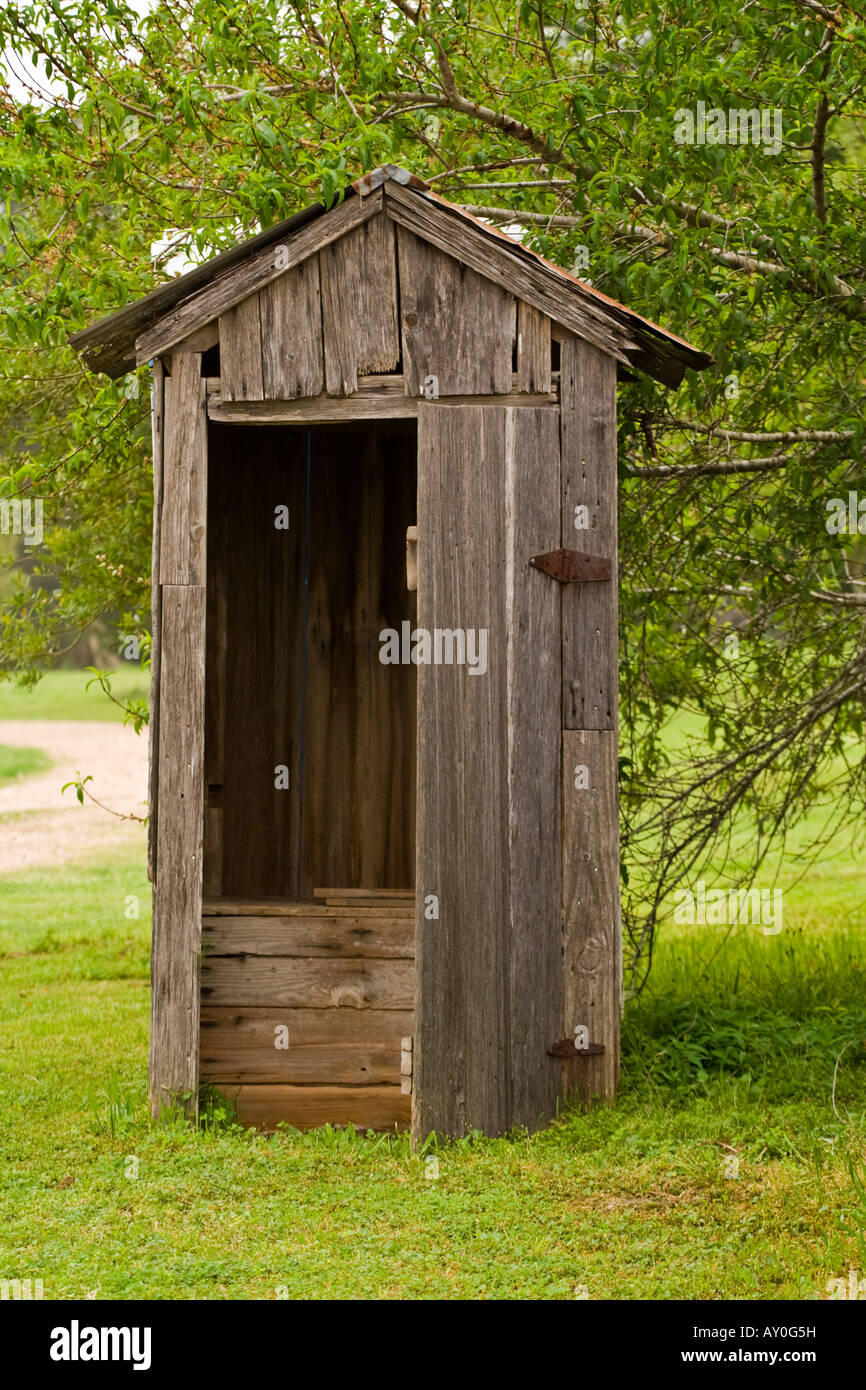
[729,1054]
[64,695]
[21,762]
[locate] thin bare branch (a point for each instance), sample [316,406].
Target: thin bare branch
[696,470]
[764,436]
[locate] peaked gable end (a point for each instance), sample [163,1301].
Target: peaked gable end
[359,293]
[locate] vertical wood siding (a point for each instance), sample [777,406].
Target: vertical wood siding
[178,889]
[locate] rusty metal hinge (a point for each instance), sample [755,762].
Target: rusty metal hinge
[573,566]
[566,1048]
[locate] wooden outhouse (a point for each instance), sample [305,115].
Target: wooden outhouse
[383,798]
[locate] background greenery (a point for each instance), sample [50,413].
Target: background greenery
[21,762]
[209,120]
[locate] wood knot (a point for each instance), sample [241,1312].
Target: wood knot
[347,999]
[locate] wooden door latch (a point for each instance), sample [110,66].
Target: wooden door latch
[573,566]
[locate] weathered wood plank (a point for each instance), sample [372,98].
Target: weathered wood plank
[285,907]
[533,349]
[393,384]
[184,506]
[271,1053]
[202,340]
[246,279]
[462,1059]
[177,897]
[368,404]
[353,894]
[359,305]
[333,937]
[458,327]
[316,410]
[306,1107]
[157,423]
[389,383]
[312,984]
[302,1046]
[493,258]
[291,320]
[590,646]
[591,932]
[308,1066]
[240,332]
[242,1029]
[532,498]
[407,905]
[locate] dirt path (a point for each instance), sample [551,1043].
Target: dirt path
[38,825]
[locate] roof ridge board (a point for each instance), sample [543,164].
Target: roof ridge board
[384,172]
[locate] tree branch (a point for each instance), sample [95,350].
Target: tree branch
[695,470]
[819,133]
[532,219]
[737,260]
[765,436]
[832,16]
[819,192]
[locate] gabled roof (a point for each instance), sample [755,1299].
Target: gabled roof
[163,318]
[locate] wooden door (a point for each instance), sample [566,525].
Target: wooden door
[488,878]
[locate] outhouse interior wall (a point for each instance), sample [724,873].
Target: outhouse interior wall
[309,738]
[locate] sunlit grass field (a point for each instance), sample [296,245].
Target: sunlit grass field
[822,890]
[729,1168]
[21,762]
[64,695]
